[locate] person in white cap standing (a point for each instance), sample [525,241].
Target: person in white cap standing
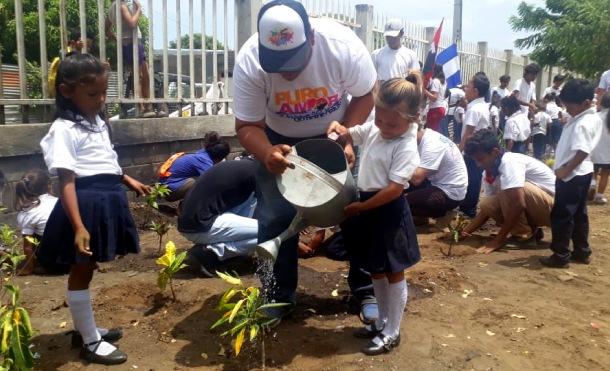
[291,80]
[394,59]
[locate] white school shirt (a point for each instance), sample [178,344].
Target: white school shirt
[527,92]
[69,146]
[581,133]
[541,120]
[550,90]
[516,169]
[456,115]
[436,86]
[33,220]
[604,81]
[517,127]
[455,95]
[601,153]
[494,113]
[391,63]
[446,164]
[501,92]
[340,65]
[477,115]
[553,110]
[384,160]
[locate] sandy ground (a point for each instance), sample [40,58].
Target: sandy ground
[501,311]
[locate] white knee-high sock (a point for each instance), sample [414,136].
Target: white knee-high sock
[397,300]
[380,287]
[79,302]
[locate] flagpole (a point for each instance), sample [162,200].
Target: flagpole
[457,22]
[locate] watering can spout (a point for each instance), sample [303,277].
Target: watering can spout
[269,249]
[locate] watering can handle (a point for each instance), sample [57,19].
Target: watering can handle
[320,173]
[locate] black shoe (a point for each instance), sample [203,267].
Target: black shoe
[204,260]
[387,344]
[111,336]
[115,358]
[539,235]
[368,331]
[554,262]
[580,259]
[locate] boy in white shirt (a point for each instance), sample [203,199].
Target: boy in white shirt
[556,87]
[519,191]
[517,129]
[476,118]
[502,90]
[394,59]
[574,171]
[540,127]
[525,88]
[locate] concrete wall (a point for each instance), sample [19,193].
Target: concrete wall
[141,144]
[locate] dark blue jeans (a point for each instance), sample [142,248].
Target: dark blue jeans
[539,142]
[475,174]
[569,218]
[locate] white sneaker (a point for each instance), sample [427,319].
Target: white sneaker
[600,199]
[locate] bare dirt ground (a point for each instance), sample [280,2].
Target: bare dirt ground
[501,311]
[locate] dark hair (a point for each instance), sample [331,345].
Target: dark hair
[510,104]
[532,68]
[75,35]
[605,103]
[577,91]
[558,78]
[31,185]
[438,72]
[540,106]
[217,147]
[504,78]
[481,83]
[483,141]
[76,69]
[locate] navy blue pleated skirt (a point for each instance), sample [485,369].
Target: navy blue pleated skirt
[387,235]
[104,209]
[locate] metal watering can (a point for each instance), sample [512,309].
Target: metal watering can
[319,186]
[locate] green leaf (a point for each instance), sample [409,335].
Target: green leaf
[236,309]
[272,305]
[254,331]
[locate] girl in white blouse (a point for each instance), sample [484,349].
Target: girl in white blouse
[92,222]
[381,223]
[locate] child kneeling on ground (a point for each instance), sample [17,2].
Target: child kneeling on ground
[381,222]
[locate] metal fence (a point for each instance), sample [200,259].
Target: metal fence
[190,72]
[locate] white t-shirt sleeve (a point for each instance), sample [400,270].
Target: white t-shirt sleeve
[582,139]
[59,147]
[432,155]
[511,130]
[249,96]
[404,163]
[512,175]
[360,132]
[435,86]
[517,86]
[414,62]
[26,228]
[533,88]
[358,72]
[605,81]
[471,118]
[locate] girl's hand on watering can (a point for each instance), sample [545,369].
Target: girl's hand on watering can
[275,162]
[350,156]
[352,209]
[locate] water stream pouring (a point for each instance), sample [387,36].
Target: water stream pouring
[319,186]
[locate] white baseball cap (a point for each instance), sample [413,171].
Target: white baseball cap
[393,27]
[283,30]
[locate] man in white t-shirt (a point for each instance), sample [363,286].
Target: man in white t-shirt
[291,80]
[519,191]
[439,184]
[475,119]
[394,59]
[502,89]
[525,88]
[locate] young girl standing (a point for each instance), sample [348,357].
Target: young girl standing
[91,223]
[381,222]
[517,128]
[34,203]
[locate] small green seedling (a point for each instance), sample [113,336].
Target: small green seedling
[161,230]
[243,311]
[171,264]
[158,191]
[456,226]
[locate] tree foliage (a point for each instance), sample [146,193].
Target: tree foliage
[8,37]
[573,34]
[184,43]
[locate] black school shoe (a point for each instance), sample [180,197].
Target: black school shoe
[368,331]
[580,259]
[554,262]
[387,344]
[204,260]
[113,335]
[115,358]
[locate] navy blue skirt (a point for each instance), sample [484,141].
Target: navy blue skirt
[104,210]
[386,234]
